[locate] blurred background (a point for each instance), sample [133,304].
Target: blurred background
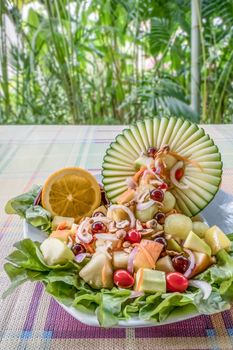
[115,61]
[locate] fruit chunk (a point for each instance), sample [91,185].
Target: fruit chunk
[178,225]
[126,196]
[187,142]
[141,161]
[173,245]
[117,215]
[146,214]
[100,210]
[150,281]
[147,255]
[120,259]
[61,234]
[200,228]
[55,252]
[197,244]
[165,264]
[202,262]
[71,192]
[217,239]
[169,202]
[67,222]
[98,272]
[169,160]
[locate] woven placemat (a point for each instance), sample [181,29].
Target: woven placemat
[31,319]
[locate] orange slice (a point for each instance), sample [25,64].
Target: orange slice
[71,192]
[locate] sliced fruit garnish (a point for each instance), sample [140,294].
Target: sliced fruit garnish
[198,178]
[71,192]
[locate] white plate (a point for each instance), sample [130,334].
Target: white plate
[219,211]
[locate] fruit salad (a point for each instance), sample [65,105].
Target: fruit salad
[136,255]
[158,255]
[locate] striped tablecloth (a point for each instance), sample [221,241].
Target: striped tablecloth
[31,319]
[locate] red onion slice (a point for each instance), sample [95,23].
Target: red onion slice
[204,286]
[148,165]
[106,236]
[80,257]
[130,183]
[85,237]
[127,210]
[192,263]
[101,218]
[38,198]
[70,242]
[132,255]
[177,166]
[82,234]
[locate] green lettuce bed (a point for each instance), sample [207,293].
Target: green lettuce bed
[26,263]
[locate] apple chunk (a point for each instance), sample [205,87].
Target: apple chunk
[147,255]
[202,262]
[55,252]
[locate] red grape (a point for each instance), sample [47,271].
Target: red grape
[78,248]
[163,186]
[162,241]
[98,213]
[180,263]
[179,174]
[160,218]
[98,227]
[151,152]
[133,236]
[157,195]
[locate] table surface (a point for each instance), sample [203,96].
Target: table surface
[30,318]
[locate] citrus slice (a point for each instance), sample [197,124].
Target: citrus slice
[71,192]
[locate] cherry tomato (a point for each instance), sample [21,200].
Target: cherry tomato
[123,279]
[133,236]
[176,282]
[179,174]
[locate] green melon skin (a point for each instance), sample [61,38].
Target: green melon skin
[183,137]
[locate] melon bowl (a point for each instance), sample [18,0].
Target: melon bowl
[186,140]
[222,205]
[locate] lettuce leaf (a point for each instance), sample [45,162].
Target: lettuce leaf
[39,217]
[110,307]
[220,275]
[23,205]
[63,283]
[63,292]
[19,275]
[158,307]
[20,204]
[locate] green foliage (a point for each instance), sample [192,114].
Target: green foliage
[112,61]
